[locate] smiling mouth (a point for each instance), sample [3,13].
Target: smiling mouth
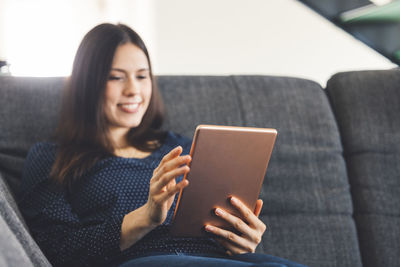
[130,107]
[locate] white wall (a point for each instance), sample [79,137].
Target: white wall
[278,37]
[281,37]
[139,14]
[2,22]
[41,36]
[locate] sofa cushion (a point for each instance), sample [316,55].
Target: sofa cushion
[30,107]
[194,100]
[29,110]
[307,206]
[367,108]
[11,252]
[12,227]
[307,203]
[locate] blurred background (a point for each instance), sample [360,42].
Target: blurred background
[308,39]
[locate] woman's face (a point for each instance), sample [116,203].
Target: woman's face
[128,89]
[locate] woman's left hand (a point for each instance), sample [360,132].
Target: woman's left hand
[251,228]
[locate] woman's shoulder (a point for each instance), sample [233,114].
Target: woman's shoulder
[43,152]
[42,148]
[38,164]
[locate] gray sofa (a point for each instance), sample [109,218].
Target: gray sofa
[332,190]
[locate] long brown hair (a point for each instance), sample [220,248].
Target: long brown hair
[82,133]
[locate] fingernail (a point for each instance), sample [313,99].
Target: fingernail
[209,228]
[218,211]
[234,200]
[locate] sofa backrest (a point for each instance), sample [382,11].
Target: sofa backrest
[307,201]
[367,107]
[29,110]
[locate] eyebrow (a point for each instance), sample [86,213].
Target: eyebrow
[124,71]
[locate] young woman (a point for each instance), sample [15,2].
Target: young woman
[104,192]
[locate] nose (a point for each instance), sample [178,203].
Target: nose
[131,88]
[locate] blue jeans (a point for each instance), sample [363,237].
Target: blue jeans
[239,260]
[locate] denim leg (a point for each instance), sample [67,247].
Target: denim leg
[262,258]
[202,261]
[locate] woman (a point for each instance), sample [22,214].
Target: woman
[103,193]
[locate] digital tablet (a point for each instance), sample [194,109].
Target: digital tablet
[226,161]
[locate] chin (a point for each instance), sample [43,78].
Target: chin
[133,124]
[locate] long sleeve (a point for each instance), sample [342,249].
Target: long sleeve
[66,238]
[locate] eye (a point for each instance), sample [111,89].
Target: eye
[115,78]
[141,77]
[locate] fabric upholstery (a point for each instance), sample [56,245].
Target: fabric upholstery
[14,233]
[308,201]
[193,100]
[367,109]
[11,253]
[306,178]
[29,111]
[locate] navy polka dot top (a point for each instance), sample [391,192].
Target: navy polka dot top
[83,228]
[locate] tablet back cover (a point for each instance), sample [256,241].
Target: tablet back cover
[226,161]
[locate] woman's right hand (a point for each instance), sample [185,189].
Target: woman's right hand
[163,189]
[163,186]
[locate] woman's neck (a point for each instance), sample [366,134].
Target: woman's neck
[119,137]
[122,147]
[131,152]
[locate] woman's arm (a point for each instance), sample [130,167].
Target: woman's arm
[251,228]
[162,192]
